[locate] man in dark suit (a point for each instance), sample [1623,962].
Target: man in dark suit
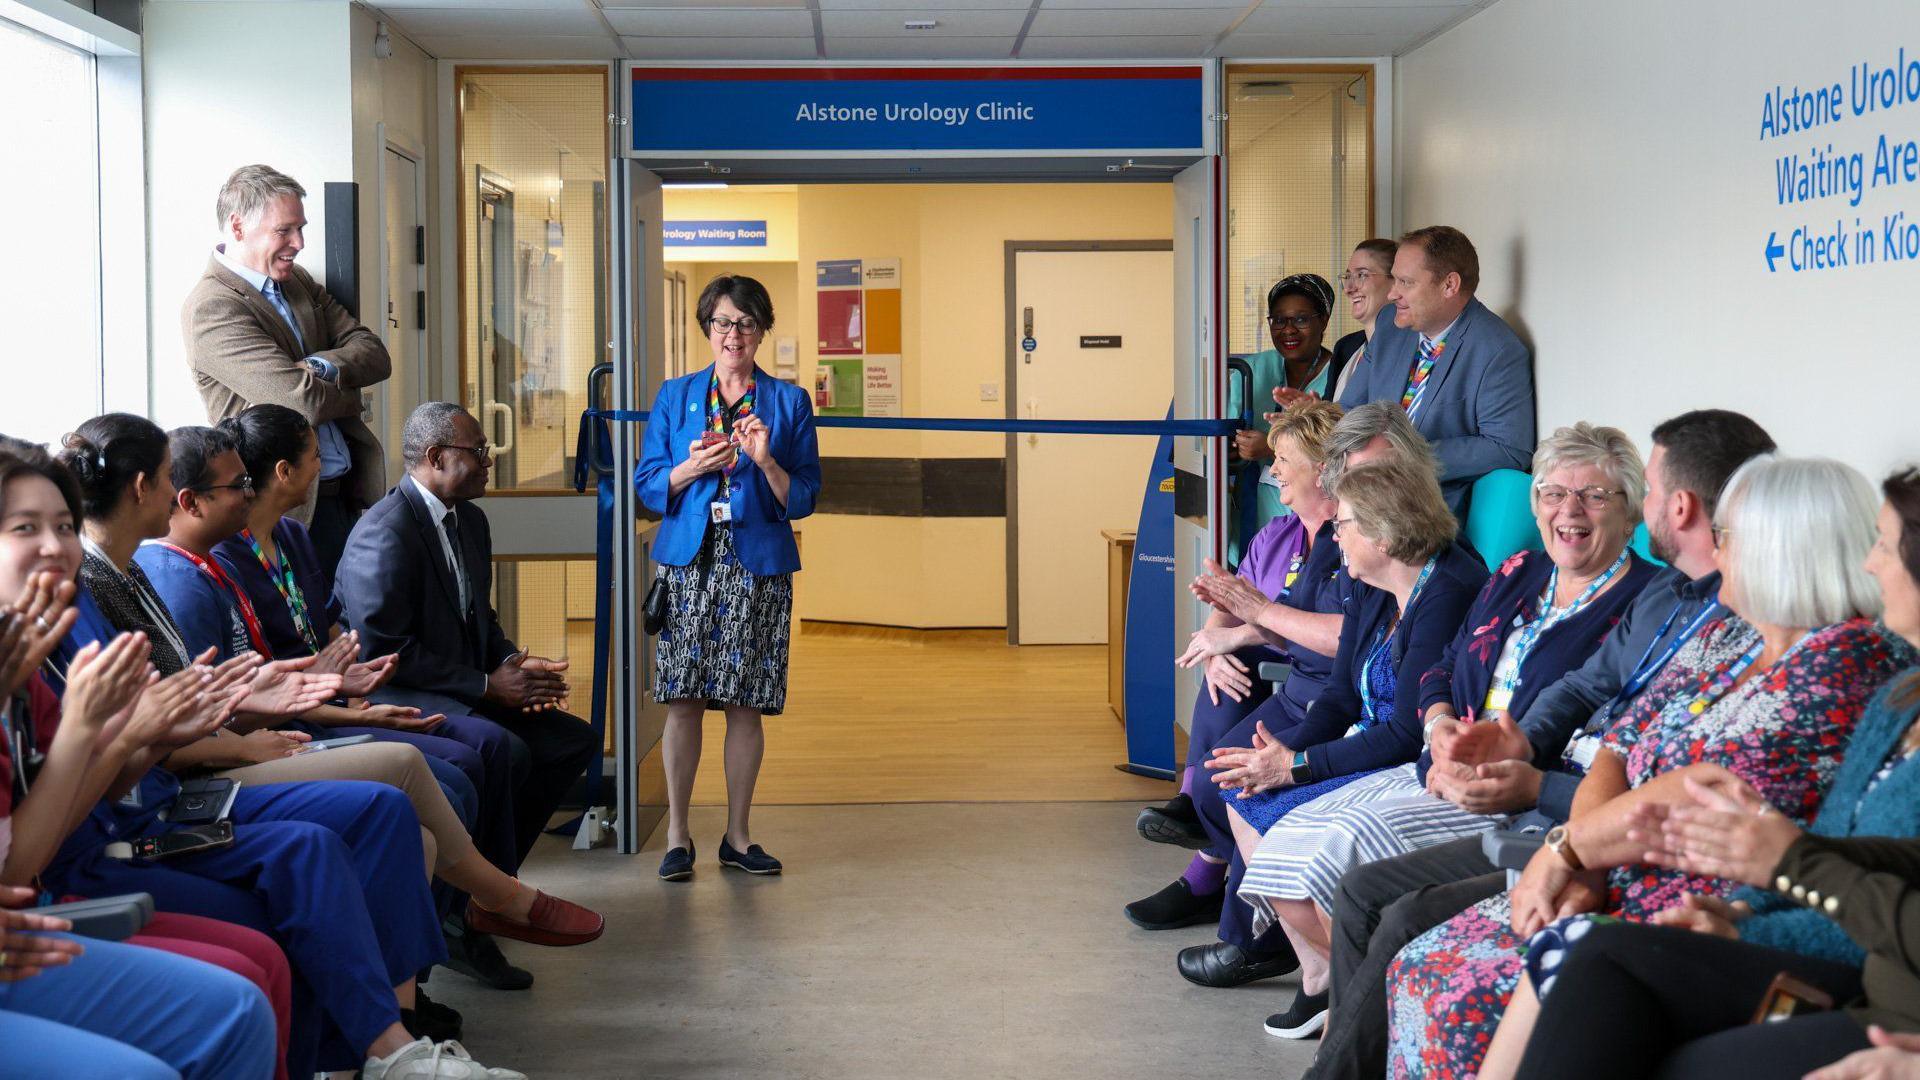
[415,580]
[1462,375]
[260,330]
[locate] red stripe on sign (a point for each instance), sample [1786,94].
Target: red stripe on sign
[868,74]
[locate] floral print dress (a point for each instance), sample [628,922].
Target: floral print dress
[1783,731]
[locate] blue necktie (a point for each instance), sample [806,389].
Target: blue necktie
[271,290]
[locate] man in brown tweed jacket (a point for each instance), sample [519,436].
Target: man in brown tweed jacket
[260,330]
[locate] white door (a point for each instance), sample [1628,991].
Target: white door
[1102,327]
[1198,462]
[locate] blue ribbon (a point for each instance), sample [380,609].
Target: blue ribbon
[1013,427]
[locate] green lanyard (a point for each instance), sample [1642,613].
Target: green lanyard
[282,578]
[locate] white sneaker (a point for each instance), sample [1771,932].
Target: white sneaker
[422,1060]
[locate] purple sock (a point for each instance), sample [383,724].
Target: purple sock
[1186,780]
[1204,878]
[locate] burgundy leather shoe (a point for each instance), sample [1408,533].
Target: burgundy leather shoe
[552,921]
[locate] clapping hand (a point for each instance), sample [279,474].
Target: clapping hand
[1893,1057]
[528,683]
[291,687]
[397,717]
[1207,642]
[22,954]
[1229,593]
[553,669]
[1729,831]
[102,684]
[1704,914]
[1253,769]
[35,625]
[1493,738]
[1287,396]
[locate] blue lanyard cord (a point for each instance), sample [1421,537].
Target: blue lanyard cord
[1722,685]
[1382,636]
[1550,617]
[1644,672]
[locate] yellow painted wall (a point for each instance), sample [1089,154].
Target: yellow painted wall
[951,241]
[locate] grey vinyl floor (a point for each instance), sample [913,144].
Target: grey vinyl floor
[926,940]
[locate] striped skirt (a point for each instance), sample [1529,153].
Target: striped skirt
[1379,816]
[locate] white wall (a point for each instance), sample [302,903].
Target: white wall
[1606,160]
[231,84]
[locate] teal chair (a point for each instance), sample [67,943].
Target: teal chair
[1500,516]
[1642,546]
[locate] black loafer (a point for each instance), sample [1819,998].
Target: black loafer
[1304,1020]
[1174,907]
[678,865]
[754,860]
[1176,823]
[1223,965]
[478,957]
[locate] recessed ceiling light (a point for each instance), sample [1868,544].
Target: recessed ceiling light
[921,24]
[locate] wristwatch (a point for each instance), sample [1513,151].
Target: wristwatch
[1562,844]
[1301,773]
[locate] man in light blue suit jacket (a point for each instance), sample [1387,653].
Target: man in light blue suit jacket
[1476,403]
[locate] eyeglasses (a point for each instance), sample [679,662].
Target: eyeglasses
[1340,523]
[482,454]
[244,484]
[1298,322]
[723,326]
[1720,533]
[1594,498]
[1352,277]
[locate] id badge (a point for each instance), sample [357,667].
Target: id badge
[720,513]
[1584,750]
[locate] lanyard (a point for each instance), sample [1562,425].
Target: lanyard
[1551,617]
[19,745]
[1384,635]
[1721,684]
[254,633]
[283,580]
[1416,390]
[717,411]
[1644,672]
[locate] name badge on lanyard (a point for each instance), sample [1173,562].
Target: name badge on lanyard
[720,513]
[1584,750]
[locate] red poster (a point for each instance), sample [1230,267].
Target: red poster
[841,333]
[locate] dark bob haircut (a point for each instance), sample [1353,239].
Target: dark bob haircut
[747,294]
[21,458]
[267,435]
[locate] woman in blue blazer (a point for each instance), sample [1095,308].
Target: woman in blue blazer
[730,461]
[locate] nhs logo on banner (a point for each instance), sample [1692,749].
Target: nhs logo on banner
[714,233]
[1142,108]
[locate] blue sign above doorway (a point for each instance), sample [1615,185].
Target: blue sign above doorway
[714,233]
[1061,109]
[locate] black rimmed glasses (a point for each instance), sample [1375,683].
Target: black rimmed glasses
[1593,497]
[482,454]
[723,326]
[244,485]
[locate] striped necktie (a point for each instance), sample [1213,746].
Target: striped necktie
[1417,378]
[271,290]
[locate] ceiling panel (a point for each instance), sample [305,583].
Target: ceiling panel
[1155,47]
[573,20]
[1168,5]
[950,23]
[1133,22]
[720,48]
[761,23]
[1408,22]
[486,5]
[920,47]
[730,5]
[1285,5]
[950,5]
[518,47]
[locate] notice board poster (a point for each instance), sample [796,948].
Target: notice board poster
[881,279]
[883,386]
[837,287]
[837,389]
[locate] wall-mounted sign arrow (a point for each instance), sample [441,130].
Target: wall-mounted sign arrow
[1773,250]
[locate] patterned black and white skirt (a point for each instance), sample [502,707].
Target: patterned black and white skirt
[726,634]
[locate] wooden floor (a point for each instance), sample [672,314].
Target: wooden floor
[890,716]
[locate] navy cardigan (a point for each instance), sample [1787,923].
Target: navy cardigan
[1511,598]
[1430,623]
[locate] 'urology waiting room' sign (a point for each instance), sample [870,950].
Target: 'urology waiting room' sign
[1068,109]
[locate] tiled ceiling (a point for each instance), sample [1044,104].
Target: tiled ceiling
[877,29]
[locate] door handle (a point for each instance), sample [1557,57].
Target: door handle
[495,408]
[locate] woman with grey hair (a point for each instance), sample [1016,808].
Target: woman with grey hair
[1538,617]
[1771,693]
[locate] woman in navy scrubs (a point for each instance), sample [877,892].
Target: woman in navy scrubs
[731,462]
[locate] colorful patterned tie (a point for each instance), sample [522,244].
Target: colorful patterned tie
[1417,382]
